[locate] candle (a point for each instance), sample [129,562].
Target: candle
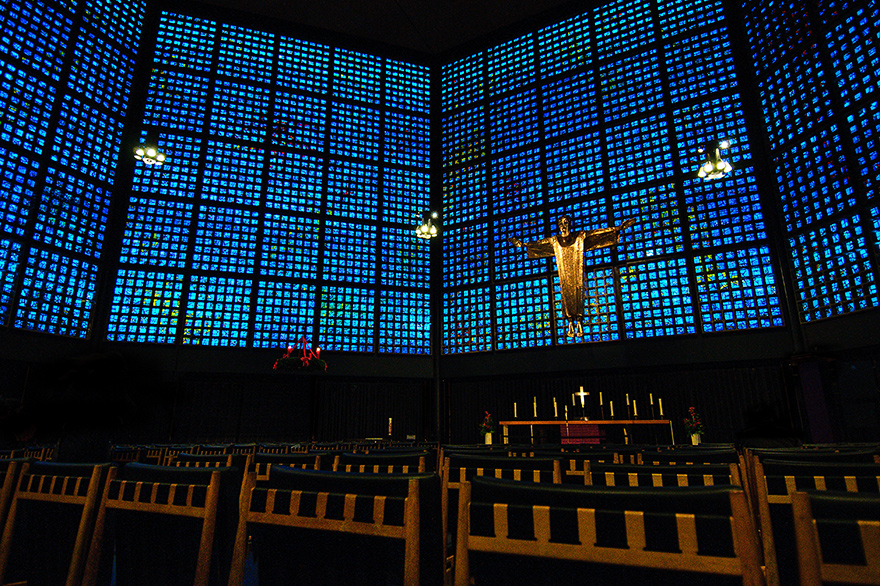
[661,406]
[611,406]
[566,412]
[514,410]
[600,398]
[555,412]
[535,407]
[627,398]
[318,355]
[635,409]
[651,397]
[389,426]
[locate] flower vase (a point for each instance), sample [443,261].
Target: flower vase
[695,439]
[487,438]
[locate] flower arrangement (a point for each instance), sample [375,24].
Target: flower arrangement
[488,425]
[310,359]
[693,423]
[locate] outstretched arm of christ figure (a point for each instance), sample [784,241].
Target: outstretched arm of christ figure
[606,236]
[538,249]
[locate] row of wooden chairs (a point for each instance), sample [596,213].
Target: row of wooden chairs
[606,492]
[136,516]
[699,467]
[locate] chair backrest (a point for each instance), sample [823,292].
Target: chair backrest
[9,470]
[263,463]
[661,475]
[49,525]
[243,449]
[694,530]
[379,462]
[458,467]
[574,463]
[241,461]
[324,506]
[212,449]
[838,537]
[167,525]
[42,453]
[774,483]
[689,456]
[122,454]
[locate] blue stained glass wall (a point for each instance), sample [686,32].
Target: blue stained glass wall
[71,61]
[817,70]
[600,117]
[296,174]
[297,171]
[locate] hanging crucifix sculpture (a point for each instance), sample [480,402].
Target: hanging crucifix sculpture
[569,248]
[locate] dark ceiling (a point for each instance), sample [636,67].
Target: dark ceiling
[431,27]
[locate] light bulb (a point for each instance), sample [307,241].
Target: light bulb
[723,144]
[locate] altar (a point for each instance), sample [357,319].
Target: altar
[569,429]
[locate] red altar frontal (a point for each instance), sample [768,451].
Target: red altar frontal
[585,432]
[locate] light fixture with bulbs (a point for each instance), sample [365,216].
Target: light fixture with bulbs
[430,226]
[713,166]
[149,154]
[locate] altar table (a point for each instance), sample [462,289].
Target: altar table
[579,422]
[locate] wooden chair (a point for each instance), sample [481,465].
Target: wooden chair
[339,515]
[166,525]
[658,475]
[41,453]
[838,537]
[273,448]
[575,464]
[163,454]
[705,531]
[242,462]
[49,525]
[688,456]
[459,467]
[123,454]
[263,463]
[777,481]
[212,449]
[9,470]
[380,462]
[247,449]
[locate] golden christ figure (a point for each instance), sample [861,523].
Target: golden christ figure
[569,248]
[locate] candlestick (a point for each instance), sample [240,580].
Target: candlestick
[661,406]
[555,413]
[611,406]
[514,410]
